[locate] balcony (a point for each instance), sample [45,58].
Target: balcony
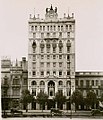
[16,85]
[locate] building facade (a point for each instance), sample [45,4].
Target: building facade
[51,54]
[14,78]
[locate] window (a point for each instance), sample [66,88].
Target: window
[35,28]
[51,93]
[43,28]
[68,72]
[34,57]
[54,72]
[42,35]
[48,64]
[34,35]
[42,90]
[66,27]
[25,82]
[60,34]
[92,82]
[54,34]
[68,92]
[96,82]
[40,28]
[33,83]
[60,64]
[32,28]
[54,64]
[47,28]
[34,65]
[48,56]
[51,28]
[68,34]
[68,57]
[60,92]
[33,73]
[42,56]
[54,56]
[70,27]
[48,72]
[48,50]
[16,81]
[54,28]
[81,83]
[61,28]
[54,50]
[60,73]
[16,91]
[34,50]
[58,28]
[60,50]
[42,73]
[42,64]
[34,92]
[68,49]
[42,50]
[60,83]
[76,82]
[68,65]
[60,56]
[87,83]
[42,83]
[48,34]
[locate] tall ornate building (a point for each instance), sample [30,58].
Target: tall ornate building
[51,54]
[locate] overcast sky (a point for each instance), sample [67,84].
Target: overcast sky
[14,15]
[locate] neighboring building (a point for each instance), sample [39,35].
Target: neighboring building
[89,81]
[14,79]
[51,55]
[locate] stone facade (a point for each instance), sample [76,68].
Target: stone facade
[51,56]
[14,79]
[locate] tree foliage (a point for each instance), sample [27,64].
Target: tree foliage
[91,99]
[26,98]
[60,99]
[77,98]
[42,99]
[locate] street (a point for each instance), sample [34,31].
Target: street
[33,118]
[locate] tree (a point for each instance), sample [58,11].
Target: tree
[91,99]
[26,98]
[60,99]
[42,99]
[77,98]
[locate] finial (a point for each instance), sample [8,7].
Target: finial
[16,62]
[68,12]
[38,15]
[30,16]
[72,15]
[51,7]
[64,15]
[34,12]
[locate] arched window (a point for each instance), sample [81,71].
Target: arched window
[60,83]
[42,83]
[68,83]
[33,83]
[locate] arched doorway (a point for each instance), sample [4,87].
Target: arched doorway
[51,88]
[51,93]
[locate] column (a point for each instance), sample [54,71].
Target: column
[37,106]
[46,87]
[64,106]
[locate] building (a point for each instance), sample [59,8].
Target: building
[51,54]
[89,81]
[14,78]
[51,64]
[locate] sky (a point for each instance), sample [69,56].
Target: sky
[14,16]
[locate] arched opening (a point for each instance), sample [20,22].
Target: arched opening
[51,88]
[33,83]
